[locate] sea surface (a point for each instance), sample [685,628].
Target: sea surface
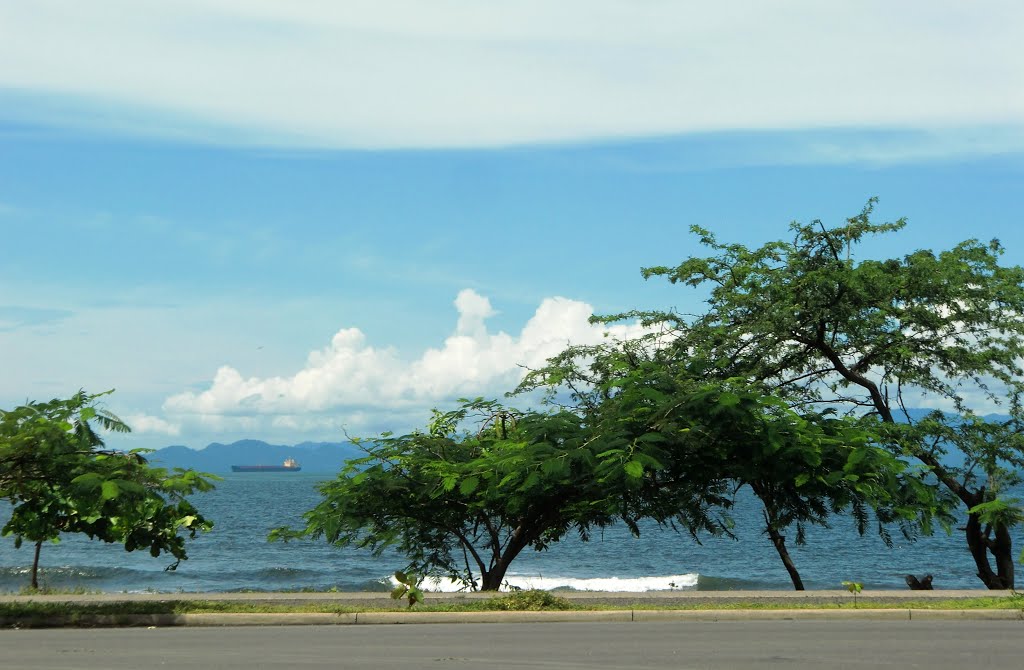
[235,555]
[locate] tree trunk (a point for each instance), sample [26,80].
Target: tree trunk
[491,579]
[1001,549]
[779,541]
[977,541]
[35,566]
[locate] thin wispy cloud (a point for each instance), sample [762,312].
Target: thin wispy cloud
[232,212]
[833,146]
[399,73]
[14,317]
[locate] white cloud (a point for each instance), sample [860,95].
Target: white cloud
[350,382]
[146,424]
[403,73]
[474,310]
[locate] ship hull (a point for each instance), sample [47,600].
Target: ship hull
[265,468]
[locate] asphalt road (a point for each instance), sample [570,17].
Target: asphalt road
[935,645]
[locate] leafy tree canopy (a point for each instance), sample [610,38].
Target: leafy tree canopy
[819,325]
[696,430]
[466,496]
[59,478]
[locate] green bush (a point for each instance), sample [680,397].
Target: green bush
[532,601]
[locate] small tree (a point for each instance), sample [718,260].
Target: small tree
[59,479]
[804,469]
[697,431]
[817,324]
[464,503]
[992,454]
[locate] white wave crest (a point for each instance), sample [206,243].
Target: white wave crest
[610,584]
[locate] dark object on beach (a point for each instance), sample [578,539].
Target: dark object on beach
[916,584]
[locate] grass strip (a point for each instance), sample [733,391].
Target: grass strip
[519,601]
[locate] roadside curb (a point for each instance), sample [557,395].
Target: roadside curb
[413,618]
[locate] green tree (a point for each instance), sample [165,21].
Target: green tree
[819,325]
[987,458]
[465,497]
[632,404]
[59,478]
[806,468]
[458,502]
[720,435]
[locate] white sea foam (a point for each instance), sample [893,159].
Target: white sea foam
[547,583]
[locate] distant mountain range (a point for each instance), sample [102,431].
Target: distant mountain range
[216,458]
[315,457]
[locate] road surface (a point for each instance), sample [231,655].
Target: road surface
[935,645]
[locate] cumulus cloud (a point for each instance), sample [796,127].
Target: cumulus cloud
[349,381]
[146,424]
[404,73]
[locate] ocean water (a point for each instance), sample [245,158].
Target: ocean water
[235,555]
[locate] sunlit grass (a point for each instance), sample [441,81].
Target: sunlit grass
[28,612]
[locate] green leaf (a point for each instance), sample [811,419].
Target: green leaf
[999,512]
[553,466]
[728,399]
[652,438]
[609,452]
[88,480]
[468,485]
[634,469]
[110,490]
[531,481]
[856,456]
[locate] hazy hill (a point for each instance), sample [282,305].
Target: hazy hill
[314,457]
[320,457]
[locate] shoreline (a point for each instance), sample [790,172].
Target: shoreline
[652,598]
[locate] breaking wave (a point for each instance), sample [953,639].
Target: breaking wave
[547,583]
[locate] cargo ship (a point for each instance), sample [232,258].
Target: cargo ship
[289,465]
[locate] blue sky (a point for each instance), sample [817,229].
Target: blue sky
[254,220]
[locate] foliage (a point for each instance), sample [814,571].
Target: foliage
[697,436]
[819,326]
[59,479]
[37,613]
[408,588]
[799,312]
[992,454]
[854,588]
[532,600]
[806,467]
[462,499]
[634,403]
